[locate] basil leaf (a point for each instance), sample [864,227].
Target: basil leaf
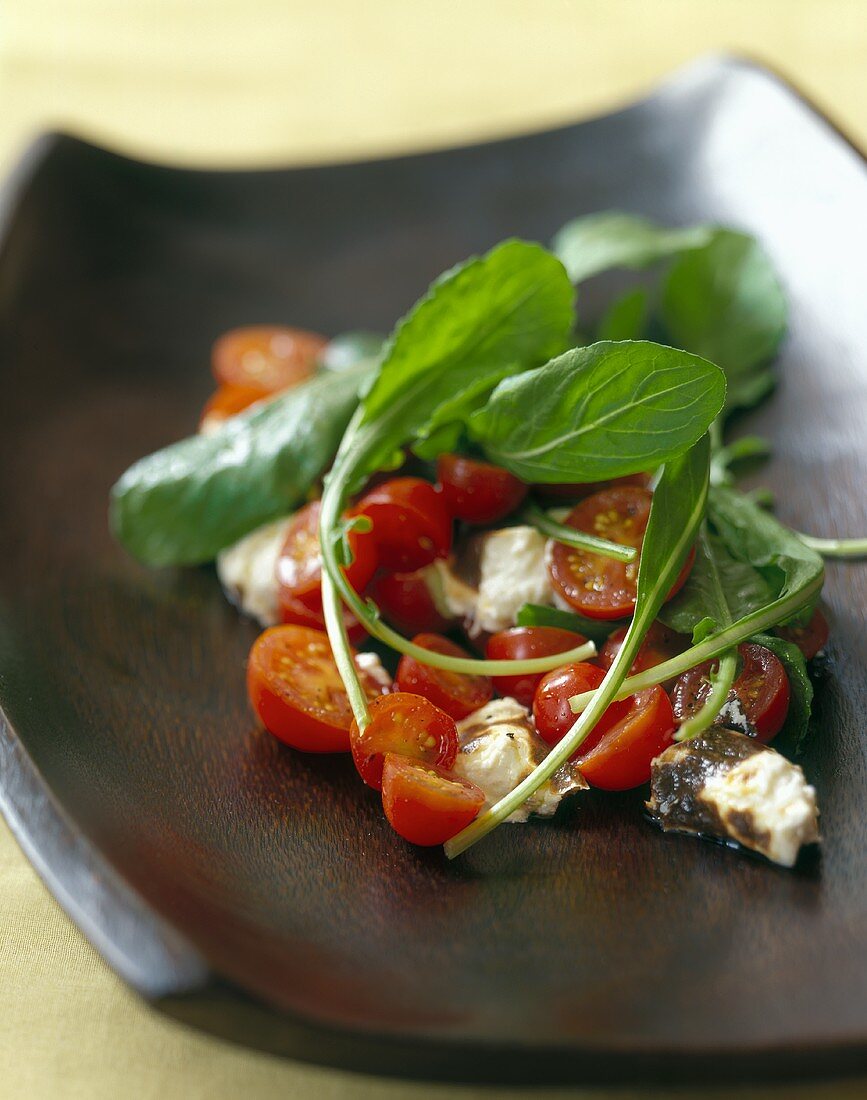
[512,308]
[725,303]
[791,738]
[597,242]
[185,503]
[534,614]
[599,412]
[627,317]
[719,591]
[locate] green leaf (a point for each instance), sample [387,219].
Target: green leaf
[444,429]
[534,614]
[599,412]
[185,503]
[597,242]
[791,738]
[725,303]
[508,310]
[627,317]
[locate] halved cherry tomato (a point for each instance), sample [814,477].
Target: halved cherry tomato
[228,401]
[299,567]
[618,758]
[521,643]
[478,492]
[411,523]
[405,724]
[600,587]
[551,711]
[660,643]
[454,692]
[406,602]
[761,691]
[810,639]
[295,689]
[427,805]
[577,490]
[271,357]
[295,613]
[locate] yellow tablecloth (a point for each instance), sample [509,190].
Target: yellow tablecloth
[280,81]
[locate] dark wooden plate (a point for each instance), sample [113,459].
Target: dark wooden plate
[260,894]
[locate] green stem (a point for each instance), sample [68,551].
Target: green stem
[539,519]
[336,628]
[836,548]
[721,681]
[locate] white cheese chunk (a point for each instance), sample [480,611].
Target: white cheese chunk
[247,571]
[373,666]
[499,748]
[774,796]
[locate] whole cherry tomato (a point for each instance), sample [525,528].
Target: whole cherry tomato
[521,643]
[619,757]
[454,692]
[226,402]
[411,524]
[551,711]
[477,492]
[810,639]
[426,804]
[271,357]
[407,603]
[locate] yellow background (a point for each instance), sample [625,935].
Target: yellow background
[280,81]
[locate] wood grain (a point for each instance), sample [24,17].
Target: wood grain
[590,948]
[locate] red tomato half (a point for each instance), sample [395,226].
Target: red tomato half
[299,567]
[408,725]
[295,613]
[551,711]
[271,357]
[810,639]
[576,490]
[478,492]
[427,805]
[761,690]
[296,691]
[411,524]
[228,401]
[454,692]
[658,646]
[596,586]
[406,602]
[522,643]
[618,757]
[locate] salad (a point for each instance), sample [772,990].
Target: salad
[499,561]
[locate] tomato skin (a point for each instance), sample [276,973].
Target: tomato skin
[295,613]
[406,602]
[619,757]
[761,688]
[521,643]
[660,643]
[296,691]
[228,401]
[454,692]
[810,639]
[425,804]
[299,567]
[478,492]
[551,711]
[411,524]
[271,357]
[577,490]
[596,586]
[405,724]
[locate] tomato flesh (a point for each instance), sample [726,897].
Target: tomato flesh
[406,602]
[226,402]
[597,586]
[522,643]
[296,691]
[810,639]
[477,492]
[618,757]
[659,645]
[411,524]
[426,804]
[293,612]
[551,711]
[454,692]
[405,724]
[299,567]
[270,357]
[761,691]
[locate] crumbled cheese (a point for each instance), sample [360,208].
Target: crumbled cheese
[373,666]
[774,795]
[499,748]
[247,571]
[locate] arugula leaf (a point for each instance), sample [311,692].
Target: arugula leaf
[725,303]
[185,503]
[599,412]
[597,242]
[675,514]
[790,740]
[447,423]
[626,318]
[534,614]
